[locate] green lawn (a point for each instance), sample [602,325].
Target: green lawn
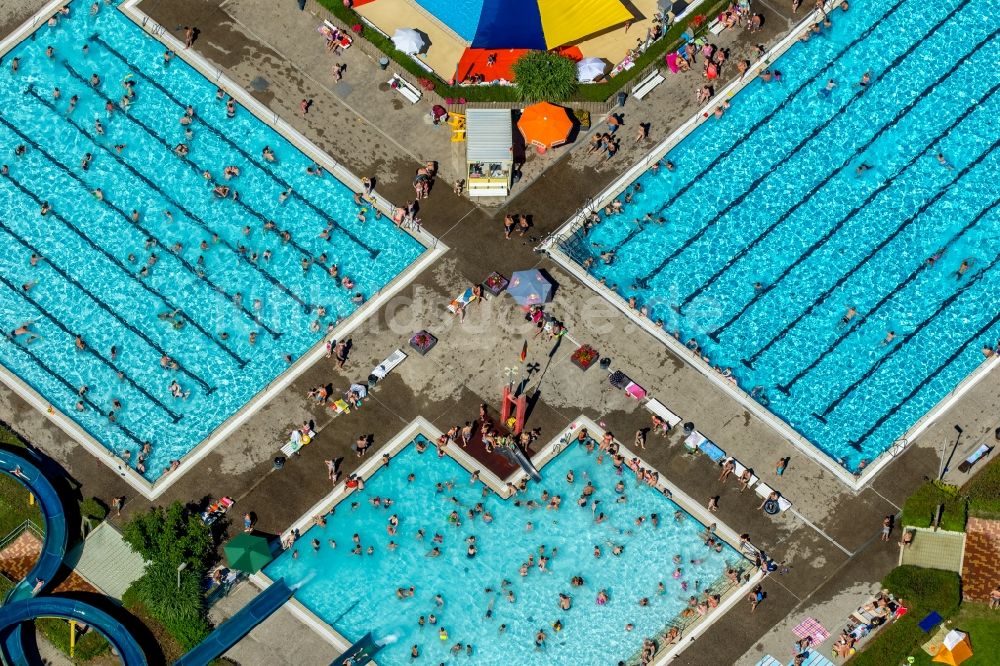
[14,507]
[983,627]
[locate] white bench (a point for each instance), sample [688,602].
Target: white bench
[405,88]
[716,27]
[645,86]
[764,491]
[658,408]
[739,468]
[386,366]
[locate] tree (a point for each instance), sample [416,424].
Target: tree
[170,536]
[542,75]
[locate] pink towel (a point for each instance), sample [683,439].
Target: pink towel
[635,391]
[672,62]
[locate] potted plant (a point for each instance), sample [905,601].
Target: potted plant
[422,342]
[495,283]
[584,357]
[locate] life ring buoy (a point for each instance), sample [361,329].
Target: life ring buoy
[771,507]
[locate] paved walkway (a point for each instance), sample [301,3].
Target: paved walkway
[981,568]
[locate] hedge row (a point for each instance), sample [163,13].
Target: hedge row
[984,492]
[923,591]
[921,507]
[597,92]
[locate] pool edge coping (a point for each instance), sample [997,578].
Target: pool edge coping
[549,452]
[433,249]
[550,245]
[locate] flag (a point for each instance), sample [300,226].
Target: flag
[524,352]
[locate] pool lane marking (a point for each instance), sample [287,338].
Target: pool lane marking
[960,350]
[200,275]
[73,389]
[176,204]
[862,147]
[192,165]
[208,281]
[643,282]
[107,362]
[104,306]
[766,119]
[906,339]
[748,362]
[242,362]
[857,323]
[260,165]
[760,293]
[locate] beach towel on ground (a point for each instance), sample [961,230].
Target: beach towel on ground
[461,301]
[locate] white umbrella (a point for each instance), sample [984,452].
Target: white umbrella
[589,69]
[408,40]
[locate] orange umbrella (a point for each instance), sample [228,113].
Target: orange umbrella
[545,125]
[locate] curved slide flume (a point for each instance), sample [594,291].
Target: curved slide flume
[21,605]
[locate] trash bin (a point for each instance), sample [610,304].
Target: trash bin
[621,98]
[383,62]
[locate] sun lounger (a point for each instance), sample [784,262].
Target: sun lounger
[405,88]
[646,86]
[740,468]
[658,408]
[386,366]
[977,455]
[763,490]
[461,301]
[714,453]
[343,41]
[297,442]
[633,390]
[716,27]
[217,510]
[694,440]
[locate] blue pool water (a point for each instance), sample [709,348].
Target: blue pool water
[92,251]
[771,235]
[462,16]
[357,593]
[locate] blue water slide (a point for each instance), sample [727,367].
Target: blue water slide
[360,653]
[516,455]
[117,635]
[22,606]
[227,634]
[54,543]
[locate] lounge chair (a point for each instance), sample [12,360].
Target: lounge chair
[297,442]
[740,468]
[764,491]
[217,510]
[693,441]
[461,301]
[386,366]
[714,453]
[633,390]
[658,408]
[977,455]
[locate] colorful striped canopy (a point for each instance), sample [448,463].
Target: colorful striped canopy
[544,24]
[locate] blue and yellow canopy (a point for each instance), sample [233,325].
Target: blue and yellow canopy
[545,24]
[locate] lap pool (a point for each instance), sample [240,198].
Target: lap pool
[134,299]
[812,244]
[356,594]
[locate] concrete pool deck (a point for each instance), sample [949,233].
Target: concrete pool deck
[835,557]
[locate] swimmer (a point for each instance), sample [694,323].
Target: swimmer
[849,315]
[943,162]
[863,167]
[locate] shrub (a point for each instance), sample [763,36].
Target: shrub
[171,536]
[88,645]
[93,508]
[983,492]
[923,591]
[921,507]
[181,611]
[167,538]
[543,75]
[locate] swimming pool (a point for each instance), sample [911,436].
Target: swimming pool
[775,230]
[217,269]
[357,593]
[462,16]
